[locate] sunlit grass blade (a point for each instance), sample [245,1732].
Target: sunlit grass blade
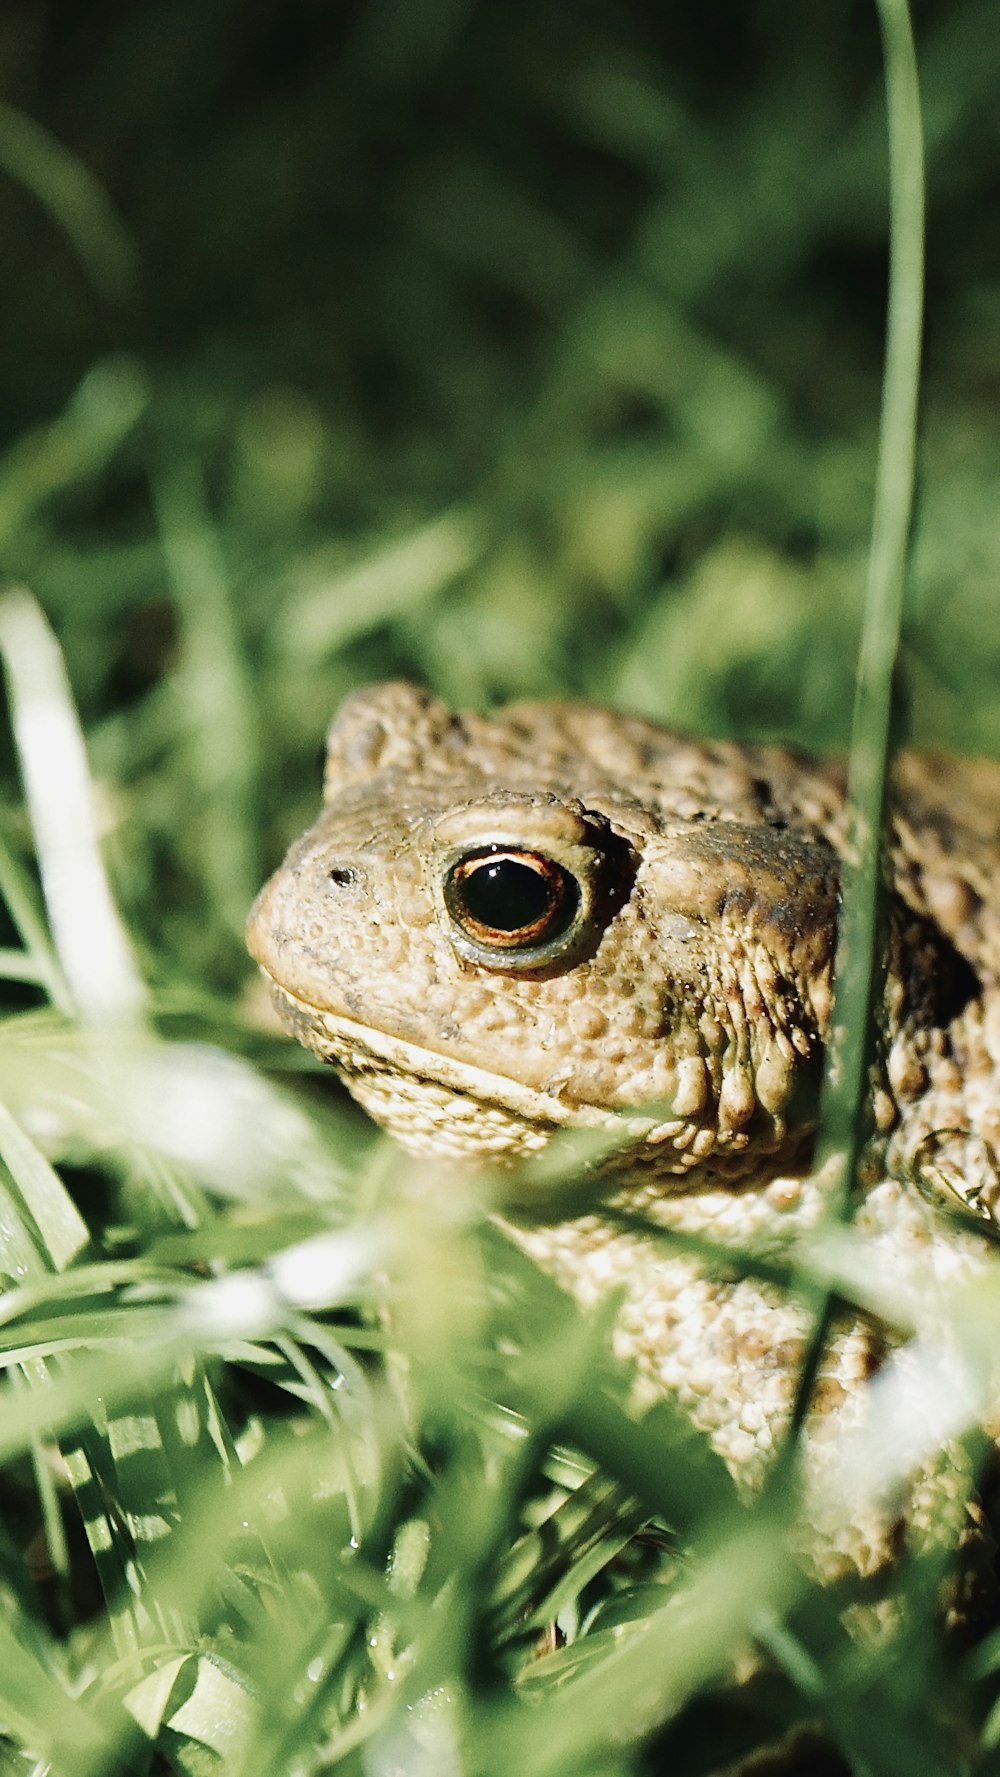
[60,1224]
[90,939]
[209,1713]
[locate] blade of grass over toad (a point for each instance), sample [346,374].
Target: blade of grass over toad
[75,201]
[858,972]
[89,937]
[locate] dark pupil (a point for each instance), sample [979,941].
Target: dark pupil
[506,895]
[503,894]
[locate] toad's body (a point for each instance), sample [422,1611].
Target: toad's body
[554,917]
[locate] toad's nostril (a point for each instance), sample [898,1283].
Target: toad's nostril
[342,877]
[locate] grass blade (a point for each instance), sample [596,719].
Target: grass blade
[89,936]
[76,202]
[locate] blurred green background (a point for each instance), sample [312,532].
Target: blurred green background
[523,349]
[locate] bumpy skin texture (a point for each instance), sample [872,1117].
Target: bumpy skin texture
[695,982]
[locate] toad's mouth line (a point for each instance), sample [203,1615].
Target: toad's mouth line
[362,1048]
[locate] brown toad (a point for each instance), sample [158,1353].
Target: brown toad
[557,916]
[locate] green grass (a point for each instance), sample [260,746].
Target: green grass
[531,359]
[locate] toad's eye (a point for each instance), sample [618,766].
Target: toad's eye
[511,901]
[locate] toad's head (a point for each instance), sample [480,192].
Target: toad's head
[556,917]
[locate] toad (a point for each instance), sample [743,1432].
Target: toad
[558,917]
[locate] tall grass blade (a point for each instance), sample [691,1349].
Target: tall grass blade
[90,940]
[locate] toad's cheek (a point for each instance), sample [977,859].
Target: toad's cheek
[318,933]
[435,1104]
